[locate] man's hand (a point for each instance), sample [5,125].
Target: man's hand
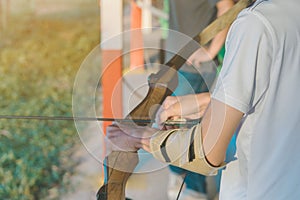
[190,106]
[120,137]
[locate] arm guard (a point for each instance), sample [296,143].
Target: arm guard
[183,148]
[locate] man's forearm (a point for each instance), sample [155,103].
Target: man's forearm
[182,148]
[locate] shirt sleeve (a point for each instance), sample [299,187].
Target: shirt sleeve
[244,77]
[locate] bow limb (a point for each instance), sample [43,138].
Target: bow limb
[120,165]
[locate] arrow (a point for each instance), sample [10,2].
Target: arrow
[68,118]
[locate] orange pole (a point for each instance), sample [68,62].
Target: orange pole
[112,85]
[136,37]
[111,25]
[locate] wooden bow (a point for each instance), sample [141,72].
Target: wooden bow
[120,165]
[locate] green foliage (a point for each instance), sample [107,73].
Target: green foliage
[38,63]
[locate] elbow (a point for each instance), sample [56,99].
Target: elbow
[215,160]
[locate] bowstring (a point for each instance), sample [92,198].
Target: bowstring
[181,187]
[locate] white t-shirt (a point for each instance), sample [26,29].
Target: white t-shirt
[261,78]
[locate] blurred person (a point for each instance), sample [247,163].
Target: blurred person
[190,17]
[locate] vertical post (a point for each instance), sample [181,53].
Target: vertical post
[4,13]
[136,37]
[165,26]
[111,45]
[147,17]
[1,15]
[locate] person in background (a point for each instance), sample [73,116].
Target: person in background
[189,18]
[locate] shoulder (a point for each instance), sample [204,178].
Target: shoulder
[257,15]
[252,22]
